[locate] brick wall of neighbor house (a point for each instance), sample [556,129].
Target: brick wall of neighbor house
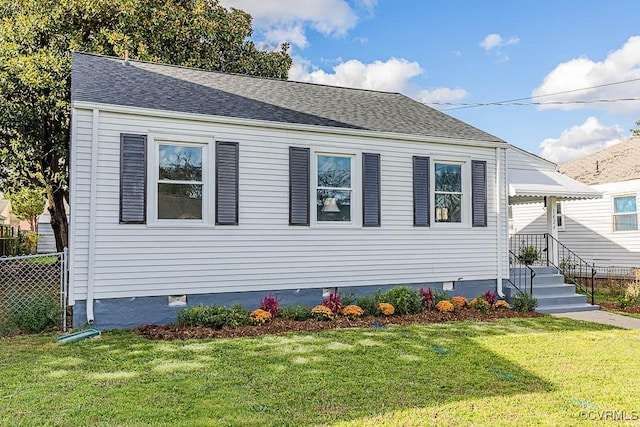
[263,252]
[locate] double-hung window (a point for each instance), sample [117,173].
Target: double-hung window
[448,192]
[625,213]
[560,216]
[334,188]
[180,181]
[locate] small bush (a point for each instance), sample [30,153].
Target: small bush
[213,316]
[490,297]
[404,299]
[479,304]
[630,297]
[271,304]
[347,298]
[459,302]
[428,300]
[352,311]
[368,305]
[528,254]
[260,316]
[297,312]
[333,303]
[386,309]
[33,314]
[322,312]
[502,304]
[523,301]
[440,296]
[445,307]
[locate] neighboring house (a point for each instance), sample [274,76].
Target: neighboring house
[46,238]
[219,188]
[603,231]
[7,218]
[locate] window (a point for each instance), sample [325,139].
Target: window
[334,188]
[625,213]
[448,192]
[560,216]
[180,181]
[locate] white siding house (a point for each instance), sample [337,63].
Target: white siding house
[224,188]
[602,231]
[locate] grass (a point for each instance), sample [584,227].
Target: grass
[541,371]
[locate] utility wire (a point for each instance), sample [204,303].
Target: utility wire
[507,104]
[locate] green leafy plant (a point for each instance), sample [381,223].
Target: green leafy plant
[295,312]
[347,297]
[631,296]
[369,303]
[440,296]
[35,313]
[404,299]
[480,304]
[523,301]
[214,316]
[528,254]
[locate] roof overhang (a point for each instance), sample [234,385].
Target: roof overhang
[533,185]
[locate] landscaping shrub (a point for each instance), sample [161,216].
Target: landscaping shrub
[34,314]
[459,302]
[295,312]
[322,312]
[352,311]
[404,299]
[271,304]
[347,298]
[490,297]
[630,297]
[428,300]
[445,306]
[440,296]
[386,309]
[333,303]
[213,316]
[479,304]
[369,304]
[260,316]
[523,301]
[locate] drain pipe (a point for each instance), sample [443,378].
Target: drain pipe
[92,215]
[499,227]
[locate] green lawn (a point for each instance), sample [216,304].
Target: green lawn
[541,371]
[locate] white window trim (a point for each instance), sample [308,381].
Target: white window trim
[465,170]
[208,162]
[614,214]
[560,205]
[356,187]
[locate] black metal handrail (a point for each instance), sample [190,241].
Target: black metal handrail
[574,269]
[519,272]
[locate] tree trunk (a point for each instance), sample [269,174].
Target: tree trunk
[59,223]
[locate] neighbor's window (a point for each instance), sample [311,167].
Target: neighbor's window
[625,213]
[334,188]
[180,182]
[560,216]
[448,192]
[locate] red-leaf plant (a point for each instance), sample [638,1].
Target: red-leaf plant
[428,301]
[490,297]
[333,303]
[271,304]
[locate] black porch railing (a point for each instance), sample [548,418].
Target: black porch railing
[544,249]
[520,274]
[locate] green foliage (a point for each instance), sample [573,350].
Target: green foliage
[369,303]
[33,313]
[631,296]
[524,301]
[440,296]
[347,298]
[213,316]
[528,254]
[27,203]
[480,304]
[36,39]
[295,312]
[636,131]
[404,299]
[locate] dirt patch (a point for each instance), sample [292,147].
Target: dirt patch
[281,326]
[615,306]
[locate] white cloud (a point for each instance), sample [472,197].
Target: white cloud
[494,43]
[581,140]
[441,95]
[620,65]
[275,18]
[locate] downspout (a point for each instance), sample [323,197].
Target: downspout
[92,214]
[499,223]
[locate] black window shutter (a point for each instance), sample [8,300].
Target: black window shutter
[227,183]
[421,202]
[479,193]
[371,190]
[299,186]
[133,179]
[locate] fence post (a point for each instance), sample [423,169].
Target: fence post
[65,286]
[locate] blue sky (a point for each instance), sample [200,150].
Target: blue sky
[459,51]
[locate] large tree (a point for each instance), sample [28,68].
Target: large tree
[36,38]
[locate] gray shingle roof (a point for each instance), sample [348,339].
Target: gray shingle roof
[141,84]
[620,162]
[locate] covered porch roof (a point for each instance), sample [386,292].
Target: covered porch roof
[533,185]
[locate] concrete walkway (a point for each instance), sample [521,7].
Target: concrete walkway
[604,317]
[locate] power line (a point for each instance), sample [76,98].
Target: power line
[509,101]
[507,104]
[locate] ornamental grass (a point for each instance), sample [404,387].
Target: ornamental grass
[445,307]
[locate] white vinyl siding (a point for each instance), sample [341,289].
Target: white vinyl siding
[264,252]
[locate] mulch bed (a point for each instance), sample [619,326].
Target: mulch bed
[281,327]
[614,306]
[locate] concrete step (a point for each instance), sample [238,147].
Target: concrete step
[554,300]
[550,290]
[547,279]
[544,270]
[567,308]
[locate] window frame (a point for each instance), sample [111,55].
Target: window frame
[206,143]
[560,218]
[356,186]
[465,199]
[614,214]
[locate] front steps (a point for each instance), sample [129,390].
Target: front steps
[553,295]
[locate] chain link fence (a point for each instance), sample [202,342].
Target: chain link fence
[33,293]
